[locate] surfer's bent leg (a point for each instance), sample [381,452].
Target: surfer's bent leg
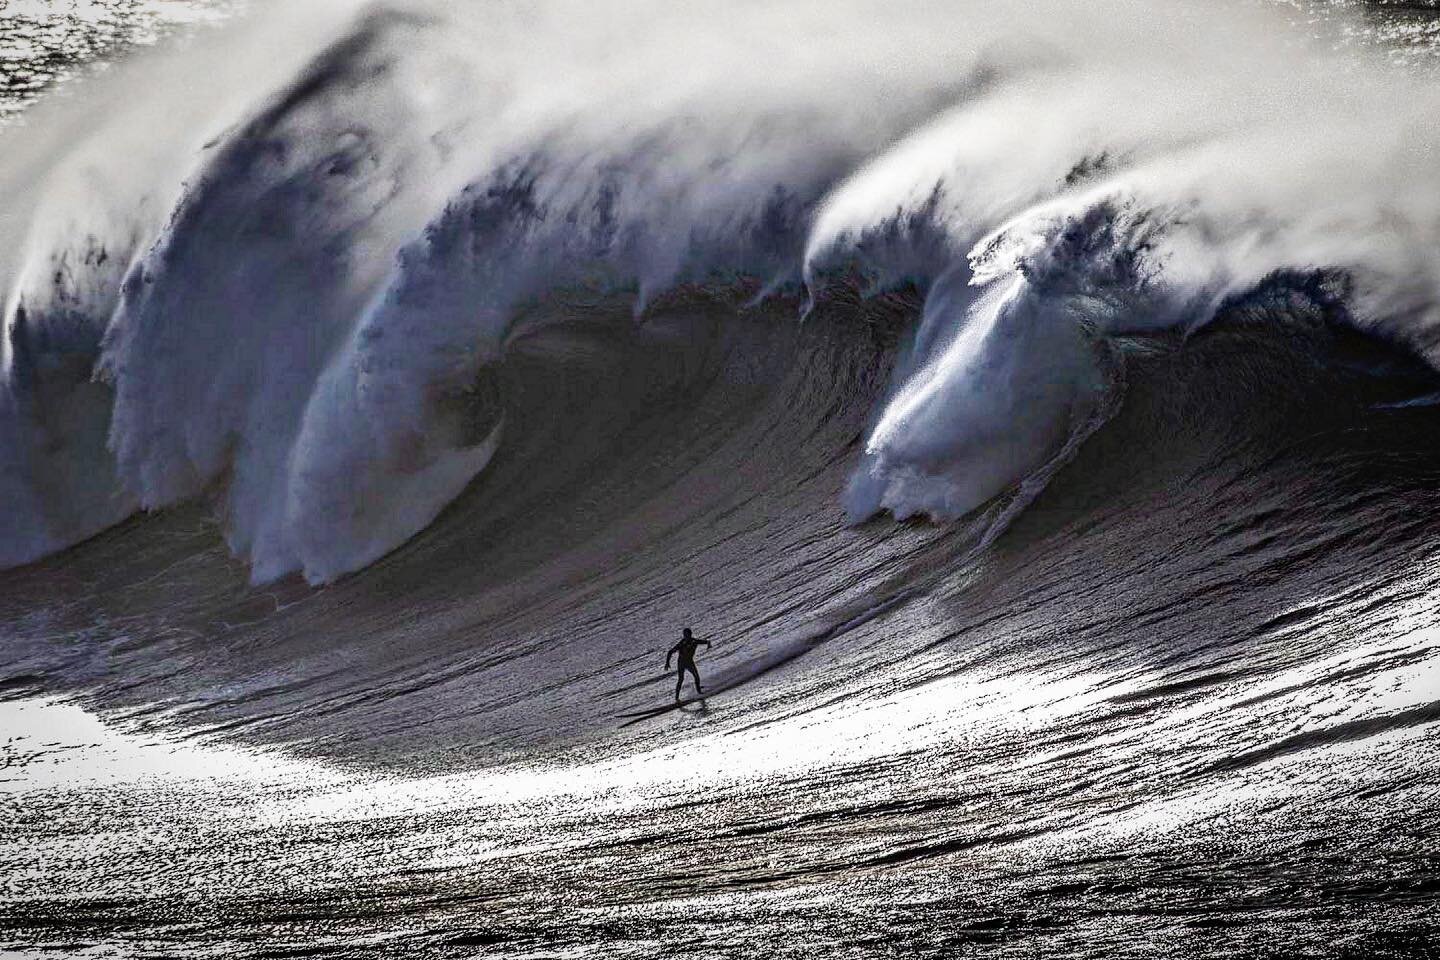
[696,674]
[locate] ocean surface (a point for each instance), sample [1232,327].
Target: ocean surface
[1037,408]
[44,43]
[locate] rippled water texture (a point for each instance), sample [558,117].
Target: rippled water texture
[42,42]
[1173,693]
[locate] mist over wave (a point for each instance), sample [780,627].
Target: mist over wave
[296,294]
[462,354]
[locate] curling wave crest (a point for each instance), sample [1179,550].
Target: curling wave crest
[288,278]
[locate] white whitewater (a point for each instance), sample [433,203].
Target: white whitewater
[278,276]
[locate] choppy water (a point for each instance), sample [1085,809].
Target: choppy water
[44,42]
[1148,665]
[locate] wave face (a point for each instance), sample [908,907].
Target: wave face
[1037,407]
[292,301]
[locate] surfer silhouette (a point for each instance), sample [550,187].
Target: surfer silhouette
[686,648]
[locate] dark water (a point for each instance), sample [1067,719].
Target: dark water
[1185,704]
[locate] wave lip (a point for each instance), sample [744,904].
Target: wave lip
[310,330]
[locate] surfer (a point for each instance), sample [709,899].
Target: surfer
[686,648]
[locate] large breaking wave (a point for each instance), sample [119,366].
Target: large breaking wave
[291,281]
[538,331]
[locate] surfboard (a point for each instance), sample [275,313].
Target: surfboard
[718,684]
[731,679]
[636,716]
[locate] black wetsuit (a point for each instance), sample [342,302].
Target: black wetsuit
[686,649]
